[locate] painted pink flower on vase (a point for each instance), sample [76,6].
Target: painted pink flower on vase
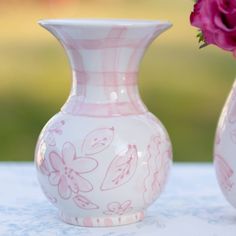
[68,169]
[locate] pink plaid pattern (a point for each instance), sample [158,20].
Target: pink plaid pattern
[107,66]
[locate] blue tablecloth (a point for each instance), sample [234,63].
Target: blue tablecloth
[191,205]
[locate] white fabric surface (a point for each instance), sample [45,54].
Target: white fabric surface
[191,205]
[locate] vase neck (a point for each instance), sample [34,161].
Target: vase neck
[104,60]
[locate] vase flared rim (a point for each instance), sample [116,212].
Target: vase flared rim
[105,22]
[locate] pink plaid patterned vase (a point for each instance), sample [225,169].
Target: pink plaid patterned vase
[103,159]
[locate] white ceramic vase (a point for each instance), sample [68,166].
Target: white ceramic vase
[103,159]
[225,148]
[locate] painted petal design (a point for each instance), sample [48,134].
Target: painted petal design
[63,188]
[68,153]
[224,172]
[121,169]
[97,140]
[84,203]
[126,205]
[54,178]
[84,164]
[84,184]
[74,182]
[56,161]
[78,183]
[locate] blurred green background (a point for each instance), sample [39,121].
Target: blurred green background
[184,86]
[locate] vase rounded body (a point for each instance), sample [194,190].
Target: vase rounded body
[225,149]
[103,159]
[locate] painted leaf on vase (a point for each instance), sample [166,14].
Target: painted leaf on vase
[121,169]
[97,140]
[224,172]
[84,203]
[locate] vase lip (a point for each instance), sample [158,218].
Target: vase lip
[105,22]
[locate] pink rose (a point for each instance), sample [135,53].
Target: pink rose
[217,21]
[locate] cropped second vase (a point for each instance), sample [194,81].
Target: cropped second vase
[103,159]
[225,148]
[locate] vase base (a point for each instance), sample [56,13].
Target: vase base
[106,221]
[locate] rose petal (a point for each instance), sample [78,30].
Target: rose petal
[223,41]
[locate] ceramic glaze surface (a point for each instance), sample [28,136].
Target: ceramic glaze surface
[103,159]
[225,149]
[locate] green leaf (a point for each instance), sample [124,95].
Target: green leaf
[201,39]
